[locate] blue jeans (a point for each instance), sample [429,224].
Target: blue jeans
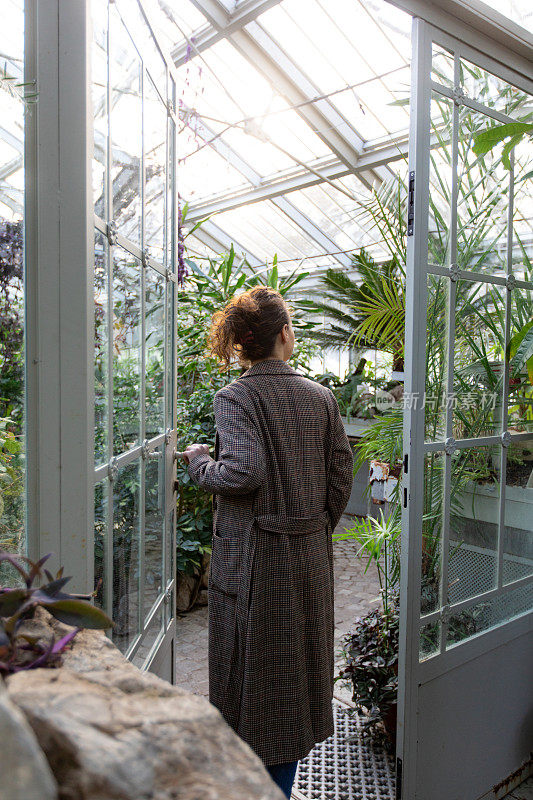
[283,775]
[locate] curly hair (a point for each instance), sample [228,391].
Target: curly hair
[246,328]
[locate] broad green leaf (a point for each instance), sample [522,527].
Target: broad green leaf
[79,613]
[508,146]
[487,139]
[11,601]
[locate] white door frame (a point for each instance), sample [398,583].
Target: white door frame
[59,225]
[516,69]
[59,293]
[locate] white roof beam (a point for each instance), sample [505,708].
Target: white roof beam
[12,198]
[12,140]
[311,230]
[300,179]
[219,241]
[208,35]
[10,168]
[257,46]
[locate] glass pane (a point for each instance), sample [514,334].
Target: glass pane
[440,181]
[135,22]
[154,527]
[170,364]
[486,88]
[474,522]
[518,515]
[101,349]
[150,636]
[487,614]
[432,532]
[126,351]
[435,401]
[14,98]
[442,66]
[155,155]
[478,364]
[126,567]
[520,408]
[169,539]
[154,321]
[125,75]
[335,45]
[99,97]
[429,640]
[170,193]
[100,539]
[483,198]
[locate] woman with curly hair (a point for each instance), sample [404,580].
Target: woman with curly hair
[281,476]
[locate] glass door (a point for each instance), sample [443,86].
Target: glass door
[135,311]
[467,528]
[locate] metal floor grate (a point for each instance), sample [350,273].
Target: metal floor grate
[338,769]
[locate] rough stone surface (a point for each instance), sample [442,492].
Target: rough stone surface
[24,771]
[110,732]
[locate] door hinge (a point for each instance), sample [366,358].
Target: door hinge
[398,778]
[411,205]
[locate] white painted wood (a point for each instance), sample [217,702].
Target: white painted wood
[464,713]
[59,294]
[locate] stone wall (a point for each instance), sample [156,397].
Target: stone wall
[110,732]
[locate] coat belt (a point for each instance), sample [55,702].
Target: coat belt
[293,526]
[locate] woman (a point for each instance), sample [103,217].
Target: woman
[281,476]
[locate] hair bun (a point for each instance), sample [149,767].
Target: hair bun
[246,329]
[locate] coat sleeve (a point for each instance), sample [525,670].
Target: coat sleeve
[340,475]
[240,467]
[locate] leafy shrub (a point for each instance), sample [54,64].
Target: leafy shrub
[371,664]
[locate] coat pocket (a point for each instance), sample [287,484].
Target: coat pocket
[226,564]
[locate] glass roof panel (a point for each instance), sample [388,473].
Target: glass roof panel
[360,86]
[241,108]
[333,212]
[266,231]
[202,172]
[198,250]
[174,20]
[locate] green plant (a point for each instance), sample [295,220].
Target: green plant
[371,665]
[205,290]
[514,132]
[366,312]
[20,649]
[11,487]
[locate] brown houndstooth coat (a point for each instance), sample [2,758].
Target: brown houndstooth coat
[282,475]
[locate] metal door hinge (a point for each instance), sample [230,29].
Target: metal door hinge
[398,779]
[411,205]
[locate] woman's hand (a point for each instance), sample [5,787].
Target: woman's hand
[193,450]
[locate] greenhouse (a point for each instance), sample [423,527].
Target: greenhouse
[200,597]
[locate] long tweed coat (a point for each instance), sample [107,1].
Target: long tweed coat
[281,476]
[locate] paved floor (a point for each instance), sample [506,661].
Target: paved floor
[355,594]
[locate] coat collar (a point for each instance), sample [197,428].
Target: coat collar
[269,366]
